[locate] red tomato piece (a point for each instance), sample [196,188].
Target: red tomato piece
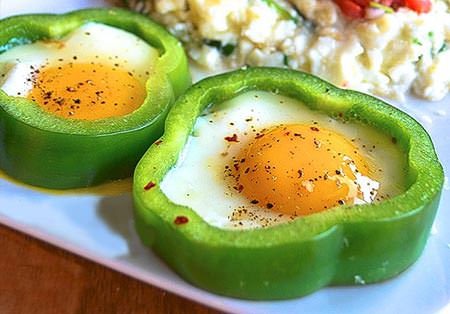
[387,3]
[362,3]
[350,8]
[420,6]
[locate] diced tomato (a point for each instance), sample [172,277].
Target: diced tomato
[397,4]
[362,3]
[356,8]
[387,3]
[420,6]
[350,8]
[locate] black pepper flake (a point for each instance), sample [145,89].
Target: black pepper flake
[269,205]
[181,220]
[254,202]
[315,129]
[158,142]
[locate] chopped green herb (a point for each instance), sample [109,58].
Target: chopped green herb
[380,6]
[213,43]
[226,50]
[282,11]
[285,60]
[417,42]
[430,35]
[443,47]
[419,60]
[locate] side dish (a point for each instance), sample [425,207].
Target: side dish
[81,94]
[273,227]
[387,48]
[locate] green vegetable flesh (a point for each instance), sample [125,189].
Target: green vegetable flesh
[42,149]
[345,245]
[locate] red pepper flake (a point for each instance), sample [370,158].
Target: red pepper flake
[232,138]
[181,220]
[149,186]
[313,128]
[158,142]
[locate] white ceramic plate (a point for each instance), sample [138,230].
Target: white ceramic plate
[100,228]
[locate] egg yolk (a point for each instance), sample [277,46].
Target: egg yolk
[302,169]
[86,91]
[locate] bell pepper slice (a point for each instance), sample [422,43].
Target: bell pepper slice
[42,149]
[342,246]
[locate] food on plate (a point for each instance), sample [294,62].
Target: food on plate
[385,47]
[95,72]
[363,236]
[82,94]
[265,159]
[369,9]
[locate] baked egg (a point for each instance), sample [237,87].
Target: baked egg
[95,72]
[261,159]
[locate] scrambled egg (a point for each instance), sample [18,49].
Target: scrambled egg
[388,55]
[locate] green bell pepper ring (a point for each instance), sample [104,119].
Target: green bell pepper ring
[341,246]
[43,149]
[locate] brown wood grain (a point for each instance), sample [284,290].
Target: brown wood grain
[36,277]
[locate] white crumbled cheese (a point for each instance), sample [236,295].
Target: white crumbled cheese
[218,19]
[261,21]
[434,81]
[388,55]
[283,29]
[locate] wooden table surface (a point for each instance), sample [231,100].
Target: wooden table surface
[38,278]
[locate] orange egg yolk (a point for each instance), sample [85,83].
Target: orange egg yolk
[86,91]
[300,170]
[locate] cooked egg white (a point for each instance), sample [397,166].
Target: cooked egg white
[261,159]
[96,71]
